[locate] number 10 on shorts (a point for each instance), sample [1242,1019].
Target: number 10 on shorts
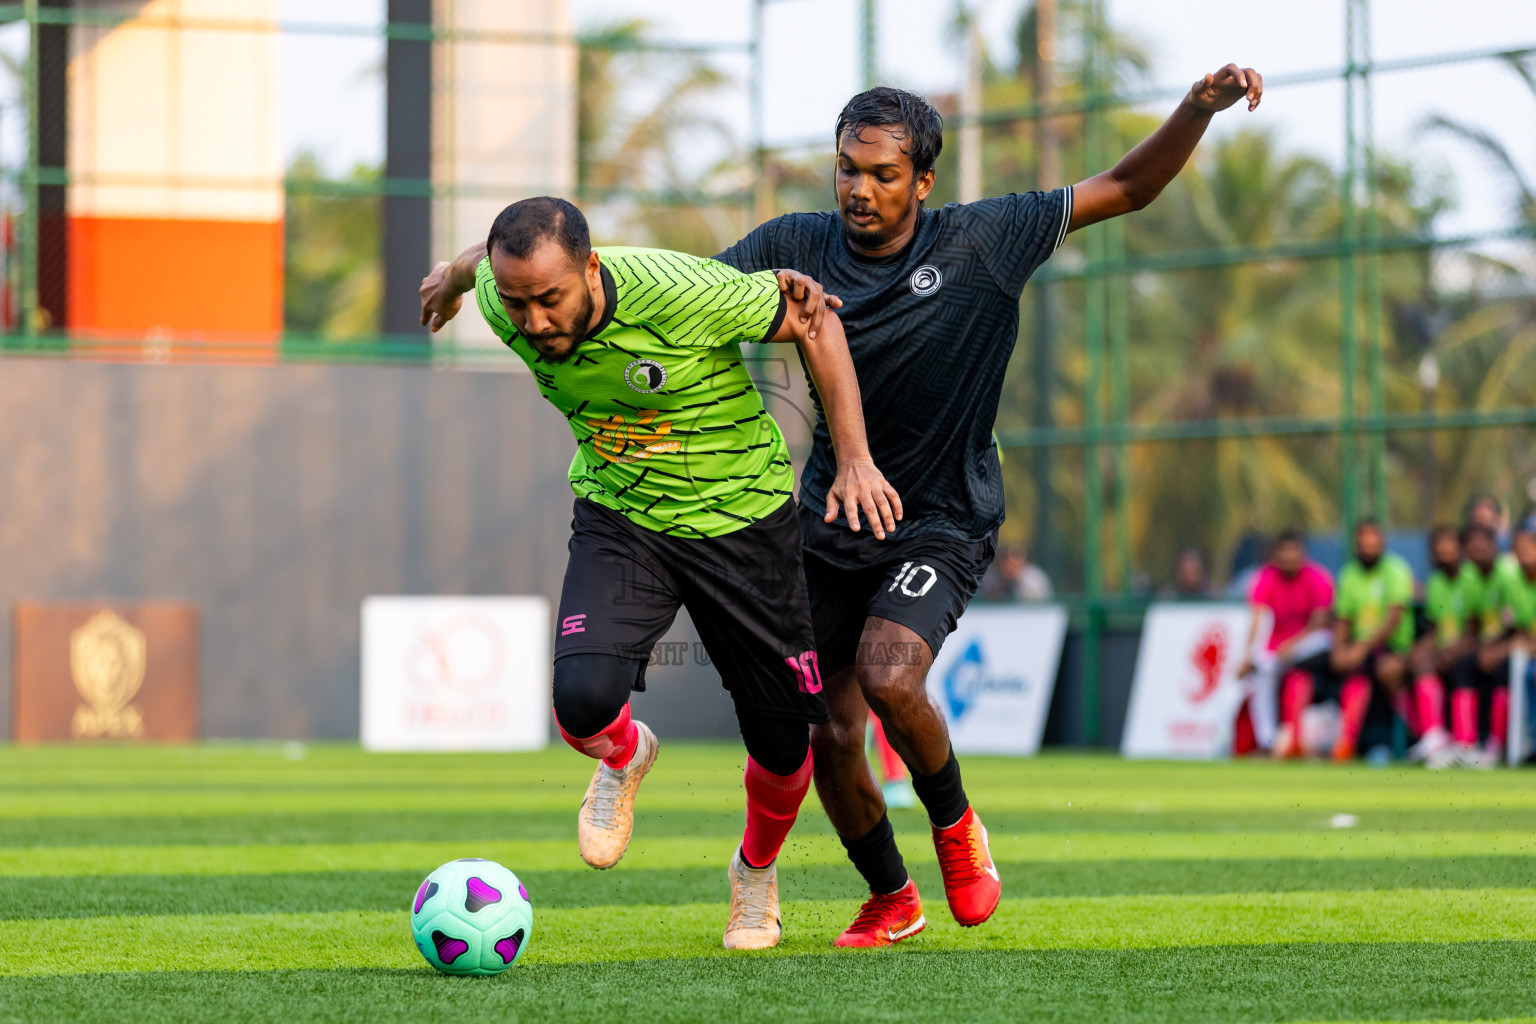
[807,672]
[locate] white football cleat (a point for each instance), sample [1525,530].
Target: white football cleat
[754,921]
[607,816]
[1429,746]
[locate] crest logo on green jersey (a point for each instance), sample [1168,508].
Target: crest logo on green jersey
[646,376]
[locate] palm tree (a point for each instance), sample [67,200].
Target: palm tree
[1489,339]
[631,160]
[333,281]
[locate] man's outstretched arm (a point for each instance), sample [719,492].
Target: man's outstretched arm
[443,290]
[1145,171]
[859,486]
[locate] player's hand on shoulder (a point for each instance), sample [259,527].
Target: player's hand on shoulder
[440,302]
[808,300]
[860,488]
[1225,87]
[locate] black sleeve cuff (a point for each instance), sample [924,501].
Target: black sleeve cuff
[778,318]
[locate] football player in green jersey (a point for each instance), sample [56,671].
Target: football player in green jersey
[1448,638]
[1519,601]
[1479,690]
[682,485]
[1373,632]
[1518,587]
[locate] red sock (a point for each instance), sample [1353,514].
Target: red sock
[892,767]
[1354,702]
[1464,716]
[773,801]
[1430,694]
[614,746]
[1295,695]
[1498,715]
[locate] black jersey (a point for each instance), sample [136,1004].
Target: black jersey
[930,330]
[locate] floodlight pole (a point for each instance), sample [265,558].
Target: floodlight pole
[1048,176]
[868,43]
[27,322]
[762,191]
[970,108]
[1374,333]
[1093,330]
[1348,292]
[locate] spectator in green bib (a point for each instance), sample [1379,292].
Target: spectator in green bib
[1479,697]
[1373,631]
[1447,638]
[1517,591]
[1479,694]
[1517,595]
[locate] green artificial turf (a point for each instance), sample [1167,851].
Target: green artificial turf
[271,883]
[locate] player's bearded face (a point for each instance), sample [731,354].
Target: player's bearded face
[878,193]
[1368,547]
[548,298]
[1525,552]
[1447,552]
[1289,558]
[558,343]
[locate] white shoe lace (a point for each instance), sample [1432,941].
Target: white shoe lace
[753,906]
[610,790]
[605,798]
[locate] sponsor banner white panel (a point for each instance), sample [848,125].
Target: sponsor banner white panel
[455,673]
[1185,694]
[994,676]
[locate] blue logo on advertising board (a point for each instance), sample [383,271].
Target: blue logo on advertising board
[968,678]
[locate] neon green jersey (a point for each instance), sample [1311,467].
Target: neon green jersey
[670,430]
[1366,595]
[1445,603]
[1483,597]
[1517,597]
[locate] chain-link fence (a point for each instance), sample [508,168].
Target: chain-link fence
[1330,314]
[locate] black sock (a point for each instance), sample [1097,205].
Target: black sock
[878,860]
[942,794]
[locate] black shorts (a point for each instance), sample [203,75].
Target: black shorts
[1328,684]
[923,583]
[745,592]
[1468,674]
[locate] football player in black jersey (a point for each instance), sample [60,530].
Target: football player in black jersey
[930,303]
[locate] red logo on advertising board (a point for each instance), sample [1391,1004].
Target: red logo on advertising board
[1208,657]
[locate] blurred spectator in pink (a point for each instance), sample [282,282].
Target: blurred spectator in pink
[1296,595]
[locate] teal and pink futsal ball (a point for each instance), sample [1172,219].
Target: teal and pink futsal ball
[471,916]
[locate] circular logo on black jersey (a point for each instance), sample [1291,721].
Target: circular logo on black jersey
[926,280]
[646,376]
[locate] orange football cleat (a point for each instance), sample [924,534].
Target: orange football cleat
[970,878]
[886,920]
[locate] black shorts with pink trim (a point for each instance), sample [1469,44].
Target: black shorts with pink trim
[745,592]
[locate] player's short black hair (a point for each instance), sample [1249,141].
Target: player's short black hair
[1368,523]
[1291,535]
[921,127]
[1482,530]
[523,225]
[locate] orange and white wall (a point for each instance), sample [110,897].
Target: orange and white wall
[174,211]
[175,207]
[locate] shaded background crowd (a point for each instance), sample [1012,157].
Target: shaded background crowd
[1379,656]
